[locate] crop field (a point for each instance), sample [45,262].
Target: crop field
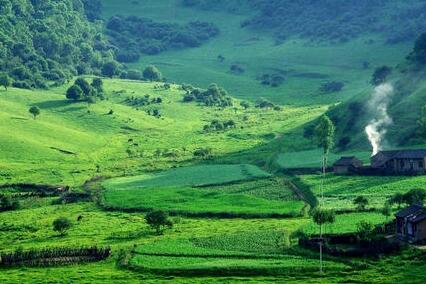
[340,191]
[202,190]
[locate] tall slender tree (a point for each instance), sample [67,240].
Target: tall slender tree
[324,134]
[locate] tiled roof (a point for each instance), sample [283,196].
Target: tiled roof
[414,213]
[346,161]
[384,156]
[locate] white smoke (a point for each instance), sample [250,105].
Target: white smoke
[378,107]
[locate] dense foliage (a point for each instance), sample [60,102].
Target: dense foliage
[213,96]
[43,41]
[333,20]
[133,36]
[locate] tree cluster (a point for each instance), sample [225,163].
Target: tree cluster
[217,125]
[414,196]
[81,90]
[134,36]
[266,104]
[213,96]
[143,101]
[49,41]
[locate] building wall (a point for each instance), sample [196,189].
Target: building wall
[421,231]
[341,169]
[406,165]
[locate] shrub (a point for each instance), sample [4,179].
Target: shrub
[61,225]
[151,73]
[361,202]
[158,220]
[366,231]
[7,204]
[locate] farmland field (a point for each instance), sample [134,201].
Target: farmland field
[202,190]
[340,191]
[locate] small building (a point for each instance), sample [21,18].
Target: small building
[411,224]
[408,162]
[347,165]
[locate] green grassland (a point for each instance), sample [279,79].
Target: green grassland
[340,191]
[68,142]
[305,65]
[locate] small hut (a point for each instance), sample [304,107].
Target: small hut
[347,165]
[411,224]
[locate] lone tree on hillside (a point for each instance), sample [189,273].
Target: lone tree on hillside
[35,111]
[158,220]
[61,225]
[361,203]
[74,93]
[151,73]
[5,80]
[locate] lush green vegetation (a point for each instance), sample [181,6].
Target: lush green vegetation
[49,41]
[134,36]
[142,179]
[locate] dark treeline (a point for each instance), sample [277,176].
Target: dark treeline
[133,36]
[53,256]
[49,41]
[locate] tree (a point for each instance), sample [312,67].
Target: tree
[244,104]
[90,101]
[151,73]
[84,86]
[361,203]
[365,231]
[110,69]
[324,134]
[158,220]
[98,85]
[415,196]
[61,225]
[74,93]
[380,75]
[321,217]
[35,111]
[397,198]
[387,210]
[5,80]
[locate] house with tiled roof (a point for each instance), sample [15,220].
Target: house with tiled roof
[347,165]
[411,224]
[400,161]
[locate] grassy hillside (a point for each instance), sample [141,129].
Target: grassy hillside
[69,142]
[304,65]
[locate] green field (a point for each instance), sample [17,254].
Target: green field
[203,190]
[238,210]
[340,191]
[305,65]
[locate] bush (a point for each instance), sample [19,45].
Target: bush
[61,225]
[7,204]
[158,220]
[361,203]
[151,73]
[332,87]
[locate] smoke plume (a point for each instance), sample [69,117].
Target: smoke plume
[378,108]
